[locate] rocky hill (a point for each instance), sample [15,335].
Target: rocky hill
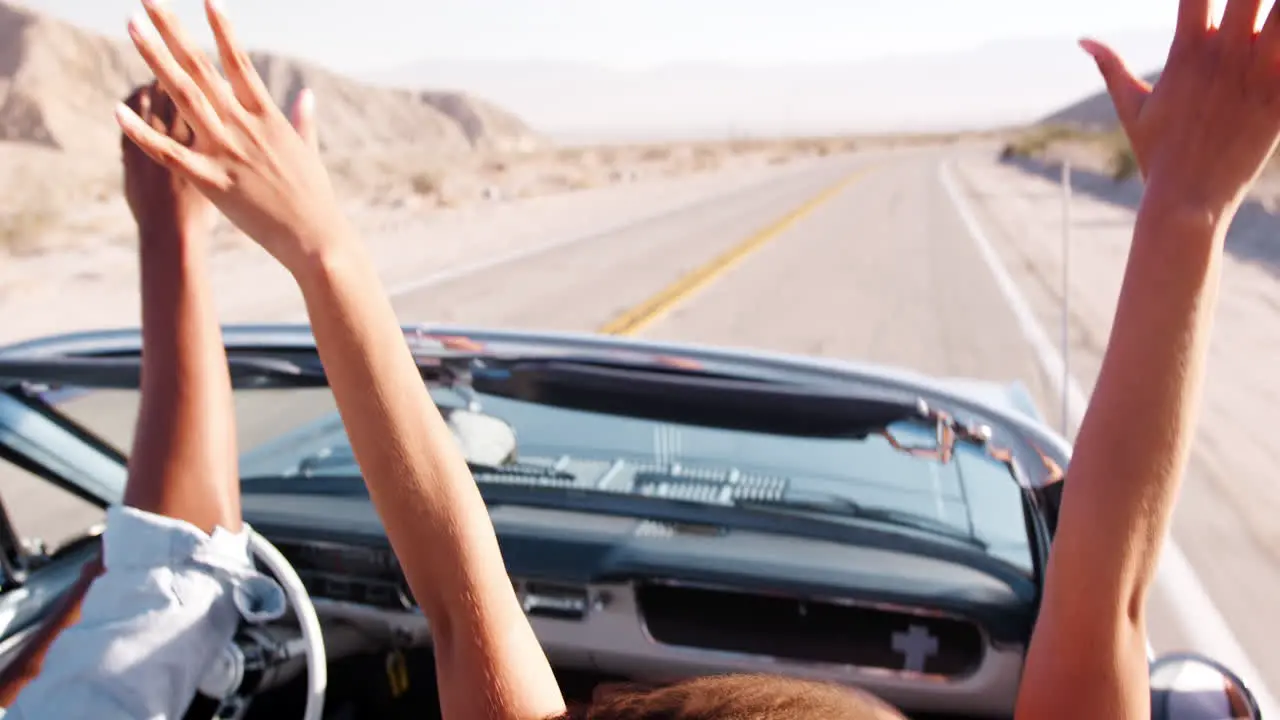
[58,84]
[1092,113]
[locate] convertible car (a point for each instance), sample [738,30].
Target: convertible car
[663,510]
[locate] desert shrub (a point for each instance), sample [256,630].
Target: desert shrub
[655,154]
[705,158]
[426,182]
[1035,141]
[571,156]
[1124,164]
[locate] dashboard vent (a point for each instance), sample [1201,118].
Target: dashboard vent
[710,486]
[659,529]
[349,573]
[810,631]
[387,595]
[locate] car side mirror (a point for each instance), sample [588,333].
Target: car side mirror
[1186,686]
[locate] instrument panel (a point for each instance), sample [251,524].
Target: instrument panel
[662,629]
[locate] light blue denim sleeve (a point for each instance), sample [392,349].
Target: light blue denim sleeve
[152,624]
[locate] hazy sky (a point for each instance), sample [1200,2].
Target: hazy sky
[371,34]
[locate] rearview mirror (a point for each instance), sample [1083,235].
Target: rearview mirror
[1193,687]
[483,439]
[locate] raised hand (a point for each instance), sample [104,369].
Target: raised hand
[1202,135]
[1212,120]
[262,173]
[160,200]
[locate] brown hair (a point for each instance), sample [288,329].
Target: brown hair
[733,697]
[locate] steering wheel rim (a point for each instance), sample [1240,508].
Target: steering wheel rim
[308,621]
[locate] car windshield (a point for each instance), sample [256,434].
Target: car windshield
[296,432]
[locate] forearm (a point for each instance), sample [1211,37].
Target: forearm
[1126,469]
[419,482]
[186,415]
[26,666]
[1137,433]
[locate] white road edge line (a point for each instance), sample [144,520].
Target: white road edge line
[1201,621]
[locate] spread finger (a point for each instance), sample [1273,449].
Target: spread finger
[188,96]
[243,77]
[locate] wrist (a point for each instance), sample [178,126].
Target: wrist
[1191,200]
[179,235]
[327,259]
[323,269]
[1174,208]
[1176,242]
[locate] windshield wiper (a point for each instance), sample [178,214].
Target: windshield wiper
[330,463]
[831,504]
[522,470]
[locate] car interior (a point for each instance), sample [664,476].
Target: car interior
[643,586]
[612,598]
[650,585]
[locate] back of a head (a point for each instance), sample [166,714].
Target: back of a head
[736,697]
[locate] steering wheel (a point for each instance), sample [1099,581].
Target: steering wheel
[224,680]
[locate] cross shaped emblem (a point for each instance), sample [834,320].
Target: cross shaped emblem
[916,646]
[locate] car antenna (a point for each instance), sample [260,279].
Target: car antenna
[1066,298]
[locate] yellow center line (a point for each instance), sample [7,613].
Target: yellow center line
[635,320]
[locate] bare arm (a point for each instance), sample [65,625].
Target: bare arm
[1088,656]
[267,180]
[184,462]
[1202,136]
[434,515]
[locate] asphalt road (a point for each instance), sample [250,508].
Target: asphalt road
[872,261]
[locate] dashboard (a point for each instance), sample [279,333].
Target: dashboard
[655,601]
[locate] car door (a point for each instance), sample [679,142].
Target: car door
[55,484]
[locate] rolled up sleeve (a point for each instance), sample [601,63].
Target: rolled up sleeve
[152,624]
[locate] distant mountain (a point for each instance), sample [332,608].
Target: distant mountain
[1000,83]
[354,117]
[1094,112]
[58,84]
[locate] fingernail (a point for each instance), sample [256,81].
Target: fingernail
[1089,46]
[154,4]
[142,26]
[308,100]
[123,114]
[217,6]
